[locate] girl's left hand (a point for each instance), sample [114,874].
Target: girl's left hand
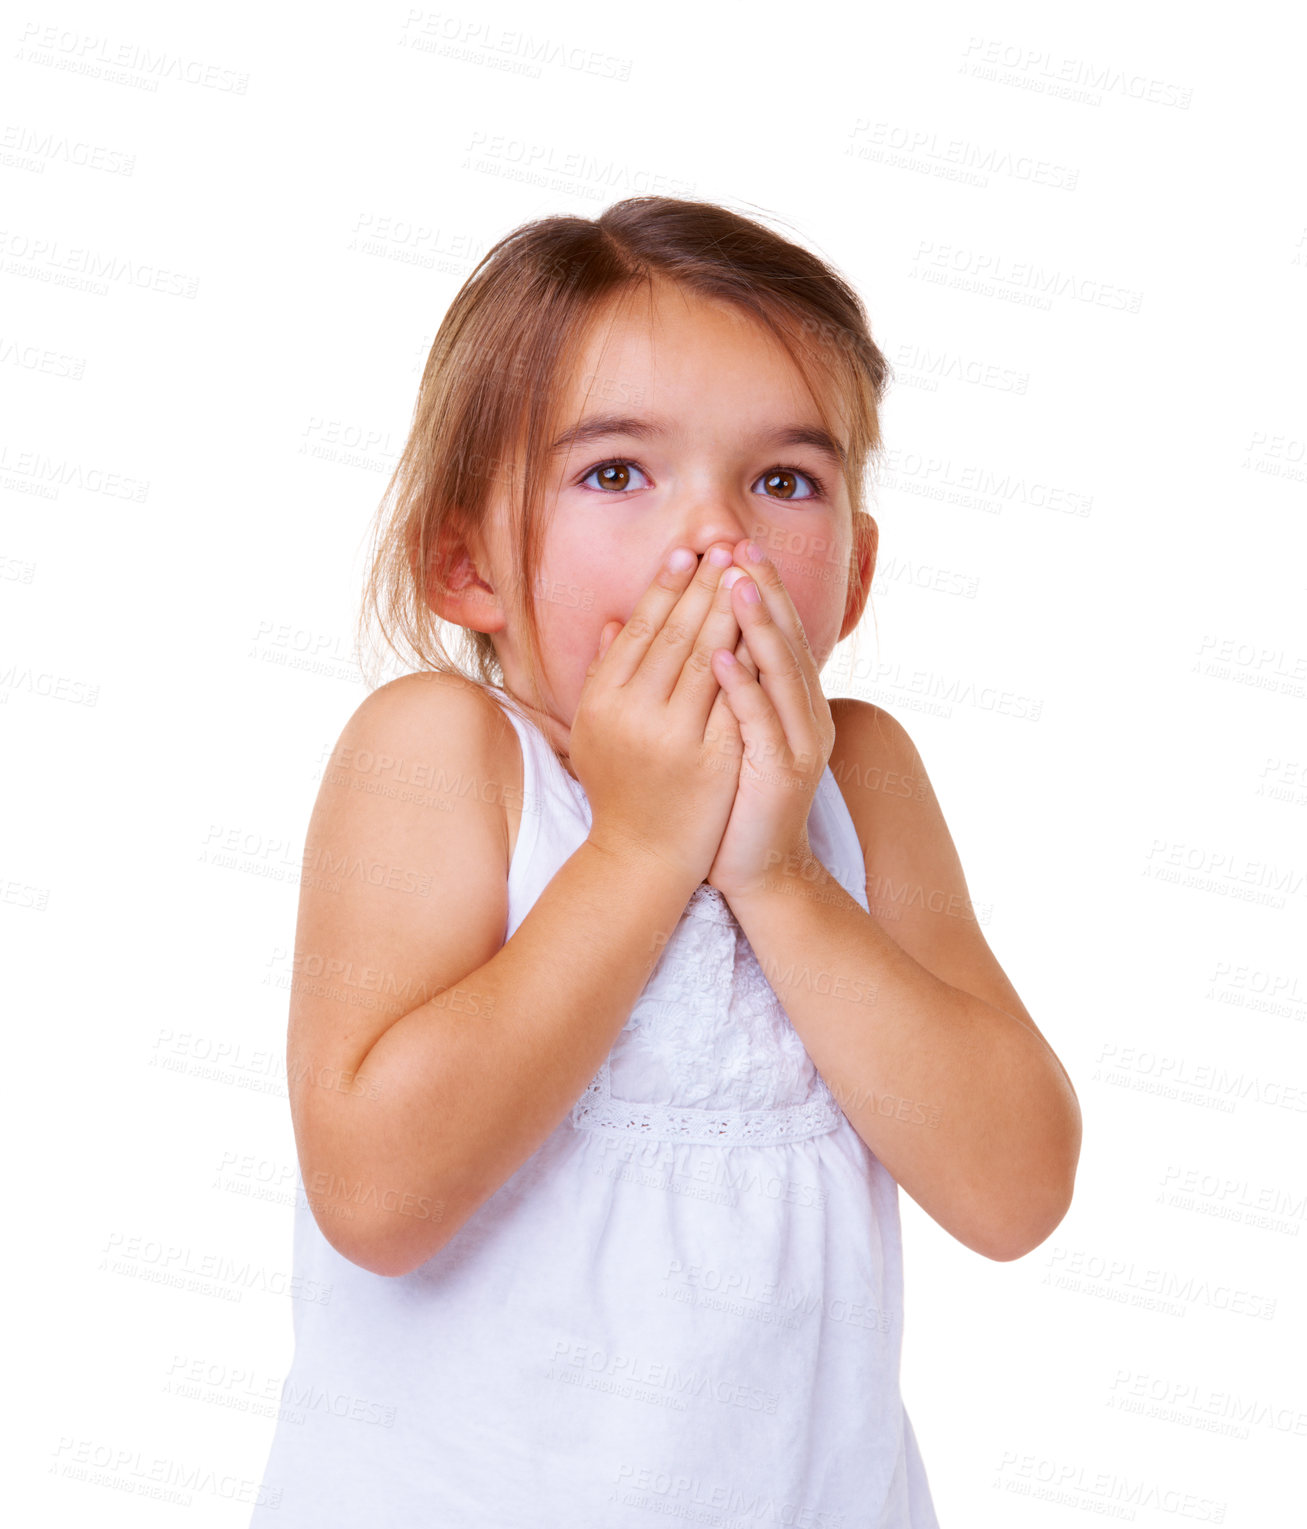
[786,733]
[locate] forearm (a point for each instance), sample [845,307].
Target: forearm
[450,1104]
[967,1108]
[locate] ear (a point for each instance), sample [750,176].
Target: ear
[866,541]
[456,586]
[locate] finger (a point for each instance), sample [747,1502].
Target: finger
[766,748]
[745,657]
[696,687]
[650,650]
[801,756]
[721,737]
[783,672]
[624,650]
[780,607]
[605,642]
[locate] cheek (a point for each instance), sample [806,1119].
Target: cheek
[578,591]
[619,583]
[800,580]
[811,620]
[603,574]
[816,594]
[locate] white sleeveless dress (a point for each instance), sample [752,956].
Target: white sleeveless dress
[687,1303]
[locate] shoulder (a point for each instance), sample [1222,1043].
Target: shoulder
[851,714]
[431,739]
[874,752]
[428,697]
[916,887]
[437,708]
[883,780]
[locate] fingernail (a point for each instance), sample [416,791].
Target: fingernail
[732,577]
[753,552]
[680,560]
[721,557]
[752,594]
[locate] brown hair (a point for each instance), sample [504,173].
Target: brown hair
[488,393]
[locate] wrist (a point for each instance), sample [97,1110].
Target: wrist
[642,865]
[796,873]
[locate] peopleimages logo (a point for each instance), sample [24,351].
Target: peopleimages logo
[1074,79]
[938,154]
[91,54]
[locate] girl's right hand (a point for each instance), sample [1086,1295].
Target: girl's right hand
[654,742]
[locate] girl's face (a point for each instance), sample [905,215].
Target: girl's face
[676,426]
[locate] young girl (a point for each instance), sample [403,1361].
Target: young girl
[661,973]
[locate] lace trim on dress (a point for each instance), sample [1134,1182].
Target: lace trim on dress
[709,1034]
[597,1110]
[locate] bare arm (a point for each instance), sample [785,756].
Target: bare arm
[408,1118]
[453,1105]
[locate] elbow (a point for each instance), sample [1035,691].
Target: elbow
[381,1251]
[1026,1235]
[393,1242]
[370,1209]
[1022,1241]
[389,1263]
[1039,1221]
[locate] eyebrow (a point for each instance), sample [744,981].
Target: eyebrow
[600,426]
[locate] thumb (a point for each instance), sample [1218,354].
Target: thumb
[599,651]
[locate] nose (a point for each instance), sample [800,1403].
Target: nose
[718,526]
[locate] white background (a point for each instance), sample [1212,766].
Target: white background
[228,238]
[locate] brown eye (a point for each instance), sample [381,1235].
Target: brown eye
[612,475]
[780,483]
